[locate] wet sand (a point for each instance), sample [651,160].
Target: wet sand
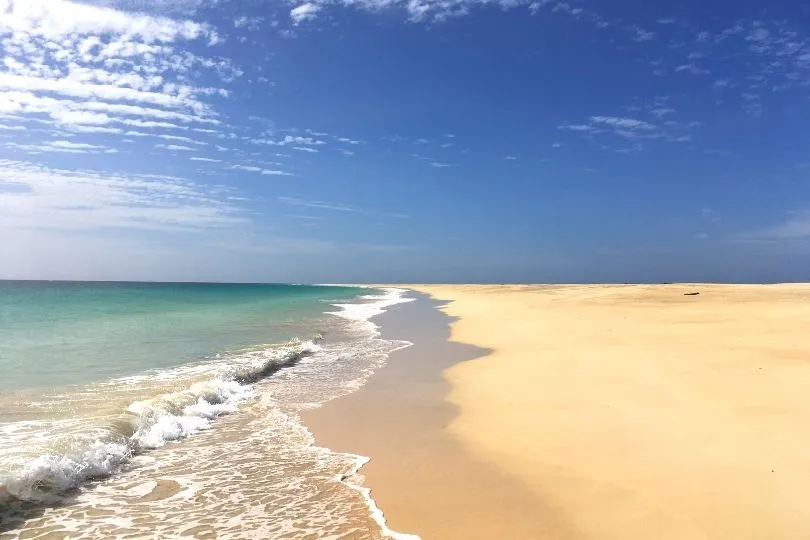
[420,476]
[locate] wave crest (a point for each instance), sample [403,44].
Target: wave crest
[148,424]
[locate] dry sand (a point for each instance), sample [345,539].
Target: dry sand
[635,412]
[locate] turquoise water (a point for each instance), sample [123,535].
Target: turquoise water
[152,403]
[64,333]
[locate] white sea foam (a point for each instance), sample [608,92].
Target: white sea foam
[377,305]
[49,475]
[376,512]
[216,387]
[152,423]
[363,313]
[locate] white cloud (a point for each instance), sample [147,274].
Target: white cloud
[585,128]
[77,146]
[642,35]
[290,139]
[438,10]
[150,124]
[65,147]
[12,128]
[251,23]
[80,118]
[632,128]
[48,198]
[262,170]
[205,159]
[305,149]
[92,68]
[181,139]
[73,88]
[92,129]
[304,12]
[661,112]
[775,52]
[248,168]
[622,123]
[691,69]
[56,19]
[302,140]
[176,147]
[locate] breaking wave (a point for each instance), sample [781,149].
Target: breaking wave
[146,425]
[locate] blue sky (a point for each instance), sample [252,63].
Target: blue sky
[382,140]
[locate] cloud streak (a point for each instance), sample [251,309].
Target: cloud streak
[439,10]
[49,198]
[337,207]
[635,129]
[263,171]
[66,147]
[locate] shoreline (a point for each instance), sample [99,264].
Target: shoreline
[216,411]
[618,412]
[399,418]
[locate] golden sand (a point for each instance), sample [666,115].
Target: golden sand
[635,412]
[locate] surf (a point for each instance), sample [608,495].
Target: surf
[145,425]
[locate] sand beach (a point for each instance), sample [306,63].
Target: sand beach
[585,412]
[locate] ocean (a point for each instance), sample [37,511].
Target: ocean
[159,410]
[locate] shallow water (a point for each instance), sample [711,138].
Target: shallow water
[63,333]
[211,447]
